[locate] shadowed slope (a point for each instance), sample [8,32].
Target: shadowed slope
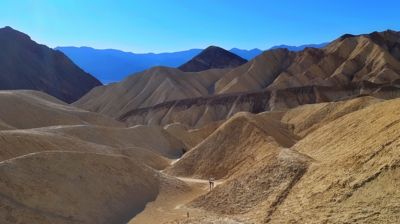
[24,64]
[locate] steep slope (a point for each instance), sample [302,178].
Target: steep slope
[30,109]
[212,57]
[349,59]
[254,194]
[307,118]
[239,142]
[71,187]
[151,87]
[343,170]
[24,64]
[356,166]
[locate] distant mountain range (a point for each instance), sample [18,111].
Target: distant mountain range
[110,65]
[299,48]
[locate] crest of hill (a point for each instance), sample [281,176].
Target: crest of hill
[349,59]
[212,57]
[235,145]
[152,138]
[25,64]
[148,88]
[23,109]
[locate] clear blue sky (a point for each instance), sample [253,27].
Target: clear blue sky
[171,25]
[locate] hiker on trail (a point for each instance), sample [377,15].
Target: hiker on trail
[211,181]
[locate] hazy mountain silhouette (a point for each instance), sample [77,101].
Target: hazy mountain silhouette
[25,64]
[246,54]
[299,48]
[111,65]
[212,57]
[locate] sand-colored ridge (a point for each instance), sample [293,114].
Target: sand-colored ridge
[148,88]
[236,144]
[356,169]
[71,187]
[191,137]
[31,109]
[151,138]
[307,118]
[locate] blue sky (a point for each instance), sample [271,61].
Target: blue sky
[172,25]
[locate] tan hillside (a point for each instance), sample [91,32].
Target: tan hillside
[356,168]
[198,112]
[148,88]
[191,137]
[71,187]
[255,193]
[151,138]
[16,143]
[30,109]
[342,171]
[373,57]
[307,118]
[241,141]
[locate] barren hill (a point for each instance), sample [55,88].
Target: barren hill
[151,87]
[86,169]
[31,109]
[238,143]
[25,64]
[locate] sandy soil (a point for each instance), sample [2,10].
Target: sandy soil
[170,205]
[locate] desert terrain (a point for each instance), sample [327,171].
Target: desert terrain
[287,137]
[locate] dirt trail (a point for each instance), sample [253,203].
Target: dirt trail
[170,206]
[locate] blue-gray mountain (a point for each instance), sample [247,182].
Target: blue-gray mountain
[110,65]
[299,48]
